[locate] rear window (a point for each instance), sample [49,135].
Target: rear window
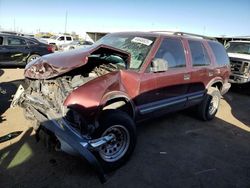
[199,53]
[219,53]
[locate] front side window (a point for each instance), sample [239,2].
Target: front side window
[172,52]
[135,44]
[61,38]
[199,53]
[12,41]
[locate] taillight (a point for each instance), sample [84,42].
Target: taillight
[51,48]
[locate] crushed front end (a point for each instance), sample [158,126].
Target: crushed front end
[42,102]
[47,86]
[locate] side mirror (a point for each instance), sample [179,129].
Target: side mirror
[159,65]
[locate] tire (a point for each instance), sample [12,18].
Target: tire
[32,57]
[71,48]
[210,104]
[115,153]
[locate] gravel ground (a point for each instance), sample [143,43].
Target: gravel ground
[176,150]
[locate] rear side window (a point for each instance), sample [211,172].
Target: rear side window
[30,42]
[171,50]
[199,53]
[68,38]
[12,41]
[219,53]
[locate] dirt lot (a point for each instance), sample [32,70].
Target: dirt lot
[173,151]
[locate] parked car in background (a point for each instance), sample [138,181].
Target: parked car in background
[89,99]
[239,54]
[74,45]
[18,51]
[58,40]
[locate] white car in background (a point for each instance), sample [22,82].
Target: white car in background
[59,40]
[74,45]
[239,54]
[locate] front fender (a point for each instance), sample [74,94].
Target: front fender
[116,96]
[88,97]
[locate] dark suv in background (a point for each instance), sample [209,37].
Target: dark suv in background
[88,100]
[18,51]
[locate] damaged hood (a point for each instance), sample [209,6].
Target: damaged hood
[53,65]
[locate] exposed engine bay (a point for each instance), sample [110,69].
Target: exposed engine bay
[52,92]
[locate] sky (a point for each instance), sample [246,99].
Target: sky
[207,17]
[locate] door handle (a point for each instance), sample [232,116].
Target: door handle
[186,76]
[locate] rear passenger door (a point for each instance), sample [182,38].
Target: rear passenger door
[201,71]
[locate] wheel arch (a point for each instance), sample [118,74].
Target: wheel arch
[30,54]
[216,82]
[120,101]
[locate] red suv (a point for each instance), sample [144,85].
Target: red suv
[88,100]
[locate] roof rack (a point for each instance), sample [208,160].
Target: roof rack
[185,33]
[162,31]
[194,35]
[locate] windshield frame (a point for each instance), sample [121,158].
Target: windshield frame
[131,36]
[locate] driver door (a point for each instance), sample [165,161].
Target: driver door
[171,85]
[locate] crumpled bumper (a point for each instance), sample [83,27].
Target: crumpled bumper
[70,139]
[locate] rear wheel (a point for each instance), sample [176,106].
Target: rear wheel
[117,151]
[32,57]
[210,104]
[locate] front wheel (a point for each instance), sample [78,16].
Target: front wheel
[210,104]
[118,150]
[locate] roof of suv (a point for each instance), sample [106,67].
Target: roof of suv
[170,33]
